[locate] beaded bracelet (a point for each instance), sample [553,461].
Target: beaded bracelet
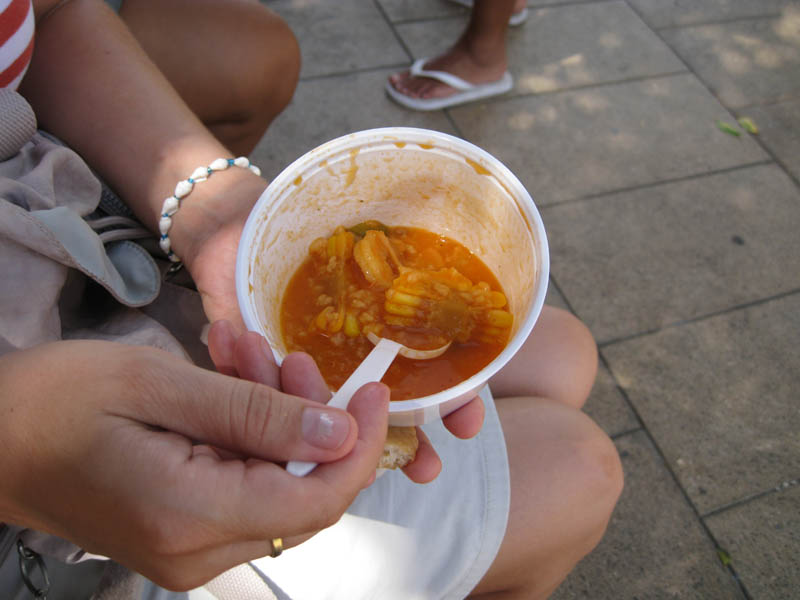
[185,187]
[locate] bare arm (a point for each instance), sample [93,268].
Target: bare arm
[92,85]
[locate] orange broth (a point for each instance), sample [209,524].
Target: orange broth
[333,282]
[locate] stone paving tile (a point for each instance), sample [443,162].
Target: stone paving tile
[563,47]
[635,261]
[779,130]
[606,404]
[668,13]
[327,30]
[655,547]
[539,3]
[762,538]
[571,144]
[554,297]
[408,10]
[323,109]
[431,37]
[745,62]
[720,398]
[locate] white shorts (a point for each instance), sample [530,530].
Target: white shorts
[399,540]
[405,541]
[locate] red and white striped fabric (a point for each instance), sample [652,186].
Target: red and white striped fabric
[16,40]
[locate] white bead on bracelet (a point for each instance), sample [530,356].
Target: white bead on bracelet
[185,187]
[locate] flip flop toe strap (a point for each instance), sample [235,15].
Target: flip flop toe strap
[417,70]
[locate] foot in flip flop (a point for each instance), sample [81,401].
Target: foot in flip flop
[448,80]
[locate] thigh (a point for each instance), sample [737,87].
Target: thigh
[558,361]
[565,480]
[220,55]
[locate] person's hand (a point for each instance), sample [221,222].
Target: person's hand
[170,469]
[248,356]
[211,231]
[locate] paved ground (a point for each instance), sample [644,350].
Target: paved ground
[678,244]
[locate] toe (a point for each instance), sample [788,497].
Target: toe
[397,79]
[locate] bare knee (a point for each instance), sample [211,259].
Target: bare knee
[236,64]
[263,85]
[276,50]
[566,479]
[589,481]
[591,463]
[597,465]
[596,468]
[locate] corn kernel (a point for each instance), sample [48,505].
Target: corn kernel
[340,244]
[499,318]
[331,246]
[351,328]
[414,289]
[403,298]
[497,299]
[399,309]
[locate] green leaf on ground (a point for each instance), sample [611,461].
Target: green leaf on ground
[748,125]
[724,557]
[728,128]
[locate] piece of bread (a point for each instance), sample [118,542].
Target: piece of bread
[400,447]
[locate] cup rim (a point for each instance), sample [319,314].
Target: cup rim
[523,200]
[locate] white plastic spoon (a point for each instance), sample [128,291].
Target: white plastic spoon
[371,368]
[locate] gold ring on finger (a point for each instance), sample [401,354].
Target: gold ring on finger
[276,547]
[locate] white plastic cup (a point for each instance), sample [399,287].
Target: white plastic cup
[401,177]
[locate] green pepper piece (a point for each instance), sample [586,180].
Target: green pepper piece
[728,128]
[748,125]
[362,228]
[724,557]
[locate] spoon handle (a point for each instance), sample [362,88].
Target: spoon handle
[371,368]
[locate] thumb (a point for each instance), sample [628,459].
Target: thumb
[234,414]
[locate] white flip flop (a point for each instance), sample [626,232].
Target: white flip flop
[516,19]
[465,91]
[519,18]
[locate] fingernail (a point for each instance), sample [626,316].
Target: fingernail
[325,428]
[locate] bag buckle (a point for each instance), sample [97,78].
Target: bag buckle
[29,563]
